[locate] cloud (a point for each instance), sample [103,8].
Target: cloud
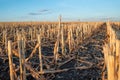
[34,13]
[44,10]
[41,12]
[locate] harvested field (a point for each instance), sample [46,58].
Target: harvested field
[83,57]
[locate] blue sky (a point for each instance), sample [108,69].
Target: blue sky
[49,10]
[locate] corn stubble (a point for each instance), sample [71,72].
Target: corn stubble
[43,49]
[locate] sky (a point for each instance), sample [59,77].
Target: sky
[49,10]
